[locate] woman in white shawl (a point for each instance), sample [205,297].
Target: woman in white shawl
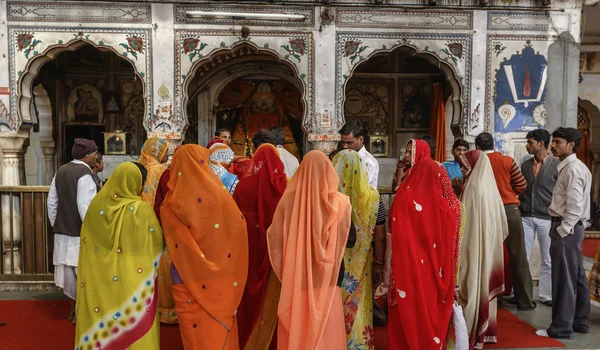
[481,277]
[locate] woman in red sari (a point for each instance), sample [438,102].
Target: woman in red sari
[257,195]
[424,218]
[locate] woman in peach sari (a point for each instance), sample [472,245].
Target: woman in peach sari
[206,236]
[306,243]
[257,196]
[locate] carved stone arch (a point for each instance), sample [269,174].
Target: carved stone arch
[24,84]
[593,118]
[450,73]
[224,65]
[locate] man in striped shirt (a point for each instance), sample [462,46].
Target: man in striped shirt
[511,183]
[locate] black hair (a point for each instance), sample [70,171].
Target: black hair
[278,134]
[98,157]
[143,171]
[353,127]
[569,134]
[458,143]
[431,142]
[540,135]
[262,136]
[485,141]
[219,131]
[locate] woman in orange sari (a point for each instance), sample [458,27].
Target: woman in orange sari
[306,243]
[153,158]
[257,196]
[206,235]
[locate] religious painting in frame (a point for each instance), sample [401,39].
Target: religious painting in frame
[115,143]
[379,146]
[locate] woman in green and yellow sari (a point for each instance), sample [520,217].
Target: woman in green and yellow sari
[121,244]
[357,292]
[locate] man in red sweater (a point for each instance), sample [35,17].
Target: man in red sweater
[511,183]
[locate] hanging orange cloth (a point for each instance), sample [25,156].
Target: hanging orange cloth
[437,125]
[306,243]
[206,236]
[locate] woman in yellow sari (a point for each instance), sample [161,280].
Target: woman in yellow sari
[121,244]
[154,156]
[357,292]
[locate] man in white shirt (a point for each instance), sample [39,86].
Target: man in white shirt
[353,137]
[290,162]
[71,191]
[570,211]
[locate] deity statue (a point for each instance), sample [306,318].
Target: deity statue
[262,110]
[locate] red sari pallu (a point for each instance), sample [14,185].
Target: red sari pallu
[257,195]
[423,229]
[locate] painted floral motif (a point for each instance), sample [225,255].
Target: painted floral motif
[192,47]
[134,45]
[454,52]
[349,283]
[369,336]
[354,344]
[498,47]
[296,48]
[353,49]
[348,321]
[27,43]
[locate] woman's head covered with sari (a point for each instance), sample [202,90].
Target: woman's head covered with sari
[205,233]
[257,195]
[220,156]
[121,244]
[467,162]
[306,242]
[154,155]
[423,235]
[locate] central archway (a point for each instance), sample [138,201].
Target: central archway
[253,69]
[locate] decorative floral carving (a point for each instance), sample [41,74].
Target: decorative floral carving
[454,52]
[134,45]
[27,43]
[296,48]
[192,47]
[498,47]
[353,49]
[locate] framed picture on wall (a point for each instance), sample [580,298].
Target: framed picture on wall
[114,143]
[379,146]
[112,103]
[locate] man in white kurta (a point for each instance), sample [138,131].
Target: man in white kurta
[71,192]
[290,162]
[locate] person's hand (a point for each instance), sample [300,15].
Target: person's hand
[456,294]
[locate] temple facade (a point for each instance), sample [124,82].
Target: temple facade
[119,72]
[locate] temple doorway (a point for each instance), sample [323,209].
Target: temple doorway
[245,90]
[84,92]
[401,95]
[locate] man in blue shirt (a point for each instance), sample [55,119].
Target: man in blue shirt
[453,167]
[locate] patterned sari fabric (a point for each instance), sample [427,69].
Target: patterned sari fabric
[154,152]
[153,157]
[424,218]
[220,157]
[306,243]
[594,278]
[206,236]
[257,196]
[121,244]
[481,277]
[357,283]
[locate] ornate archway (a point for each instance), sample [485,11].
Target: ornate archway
[211,76]
[29,51]
[208,50]
[451,54]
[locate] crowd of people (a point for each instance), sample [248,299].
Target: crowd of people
[266,252]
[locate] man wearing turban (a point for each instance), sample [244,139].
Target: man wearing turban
[71,192]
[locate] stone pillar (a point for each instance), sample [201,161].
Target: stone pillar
[323,124]
[13,174]
[46,162]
